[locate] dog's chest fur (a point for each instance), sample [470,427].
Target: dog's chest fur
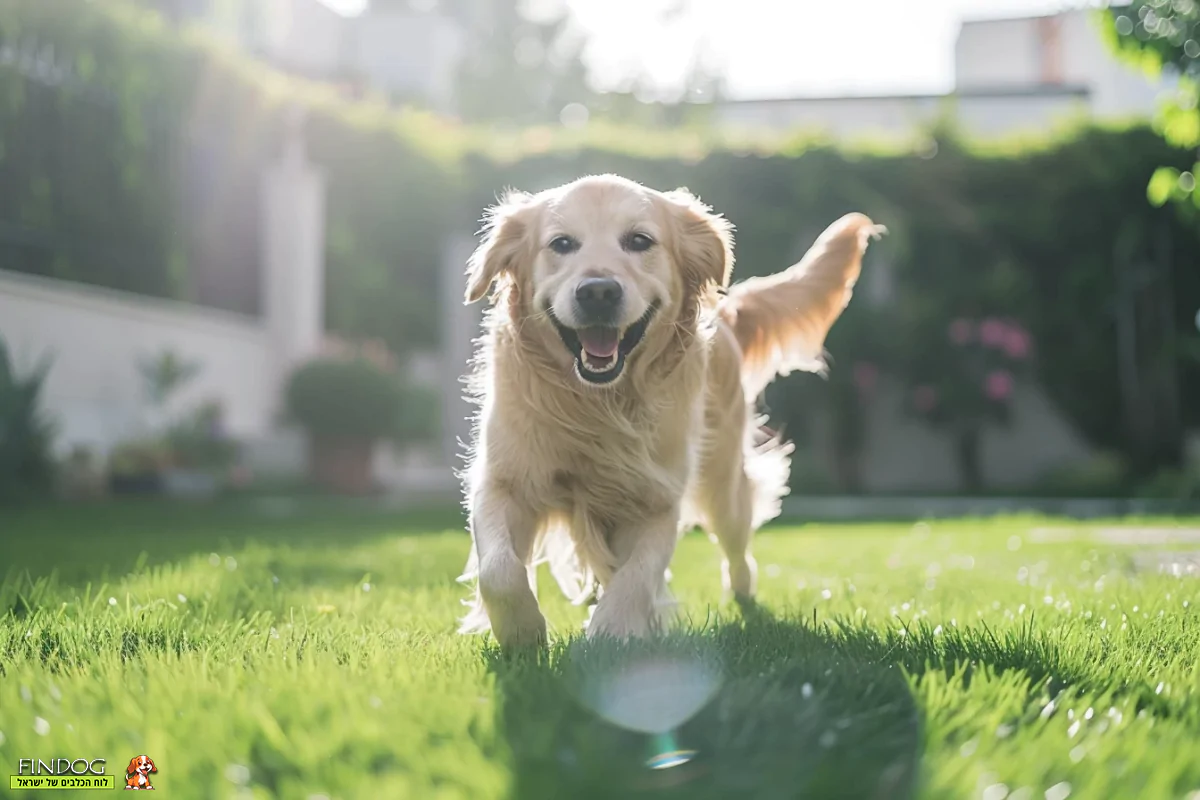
[615,454]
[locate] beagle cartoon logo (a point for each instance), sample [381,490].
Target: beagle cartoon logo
[137,774]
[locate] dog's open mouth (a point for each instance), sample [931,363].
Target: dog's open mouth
[600,350]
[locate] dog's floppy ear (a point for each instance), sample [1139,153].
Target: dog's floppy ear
[703,242]
[153,766]
[504,228]
[132,768]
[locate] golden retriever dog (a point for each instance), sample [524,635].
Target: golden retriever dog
[617,379]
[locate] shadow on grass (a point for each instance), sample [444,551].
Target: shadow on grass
[803,709]
[90,543]
[796,711]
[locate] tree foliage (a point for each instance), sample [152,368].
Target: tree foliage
[1158,36]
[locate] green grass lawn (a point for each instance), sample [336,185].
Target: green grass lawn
[314,655]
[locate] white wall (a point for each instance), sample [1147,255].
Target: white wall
[97,337]
[1118,90]
[1010,78]
[1001,115]
[997,53]
[398,51]
[994,114]
[840,117]
[903,454]
[1001,53]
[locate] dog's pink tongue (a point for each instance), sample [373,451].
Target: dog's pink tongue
[599,342]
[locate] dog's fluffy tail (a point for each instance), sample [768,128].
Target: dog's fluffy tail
[781,320]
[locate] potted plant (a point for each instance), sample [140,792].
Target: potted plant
[201,454]
[164,376]
[186,455]
[81,476]
[137,467]
[346,402]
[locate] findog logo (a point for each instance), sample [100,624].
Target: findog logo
[137,774]
[61,773]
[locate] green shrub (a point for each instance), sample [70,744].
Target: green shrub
[1102,475]
[347,397]
[198,441]
[26,436]
[144,457]
[1172,484]
[420,416]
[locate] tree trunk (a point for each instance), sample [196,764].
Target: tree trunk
[966,450]
[849,420]
[847,465]
[342,464]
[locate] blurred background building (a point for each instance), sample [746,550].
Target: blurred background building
[409,52]
[1021,75]
[1012,75]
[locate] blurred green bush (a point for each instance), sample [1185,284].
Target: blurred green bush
[347,402]
[198,441]
[353,396]
[1103,475]
[1155,36]
[345,398]
[26,434]
[1172,484]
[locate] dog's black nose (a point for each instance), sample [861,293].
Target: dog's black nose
[598,299]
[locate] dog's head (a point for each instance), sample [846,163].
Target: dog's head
[141,765]
[598,265]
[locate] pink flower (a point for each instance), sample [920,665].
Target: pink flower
[334,347]
[961,331]
[866,375]
[925,398]
[998,385]
[1017,343]
[993,332]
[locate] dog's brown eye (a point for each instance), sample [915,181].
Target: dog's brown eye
[563,245]
[637,243]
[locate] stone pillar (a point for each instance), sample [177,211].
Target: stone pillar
[293,257]
[460,327]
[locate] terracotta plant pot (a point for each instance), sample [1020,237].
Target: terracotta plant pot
[135,483]
[342,464]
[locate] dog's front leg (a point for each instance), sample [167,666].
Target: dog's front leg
[504,531]
[633,602]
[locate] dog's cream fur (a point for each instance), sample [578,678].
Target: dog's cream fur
[601,480]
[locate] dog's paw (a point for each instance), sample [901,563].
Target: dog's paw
[623,625]
[740,577]
[619,630]
[525,634]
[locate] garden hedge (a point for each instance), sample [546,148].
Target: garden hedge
[95,104]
